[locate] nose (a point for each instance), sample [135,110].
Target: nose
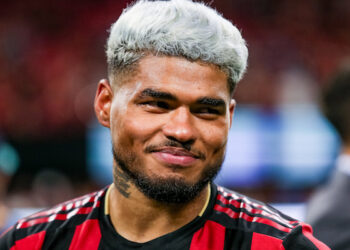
[180,126]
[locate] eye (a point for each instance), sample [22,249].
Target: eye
[208,110]
[207,113]
[156,105]
[159,104]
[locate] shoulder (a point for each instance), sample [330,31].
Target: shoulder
[35,228]
[237,212]
[235,207]
[62,214]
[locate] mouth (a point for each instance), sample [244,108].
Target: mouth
[175,156]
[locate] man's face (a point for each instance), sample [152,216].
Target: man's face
[169,123]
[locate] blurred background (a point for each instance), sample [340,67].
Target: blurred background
[52,56]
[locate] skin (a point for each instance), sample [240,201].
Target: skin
[166,98]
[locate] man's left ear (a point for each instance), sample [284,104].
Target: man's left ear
[103,102]
[232,109]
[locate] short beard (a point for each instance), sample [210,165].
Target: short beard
[171,190]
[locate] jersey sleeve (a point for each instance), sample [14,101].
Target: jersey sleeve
[301,237]
[10,241]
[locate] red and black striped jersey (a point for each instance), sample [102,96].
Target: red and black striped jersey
[230,221]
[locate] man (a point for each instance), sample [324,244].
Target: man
[173,66]
[329,208]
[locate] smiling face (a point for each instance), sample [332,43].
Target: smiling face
[169,124]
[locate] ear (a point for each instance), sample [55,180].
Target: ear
[232,109]
[103,102]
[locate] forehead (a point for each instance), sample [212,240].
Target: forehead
[178,76]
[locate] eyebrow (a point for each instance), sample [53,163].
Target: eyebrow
[157,94]
[150,92]
[211,101]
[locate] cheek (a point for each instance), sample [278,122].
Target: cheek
[215,137]
[134,128]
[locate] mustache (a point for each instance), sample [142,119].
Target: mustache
[176,144]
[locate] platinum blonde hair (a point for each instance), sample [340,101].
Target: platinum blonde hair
[176,28]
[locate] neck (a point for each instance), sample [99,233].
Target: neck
[141,219]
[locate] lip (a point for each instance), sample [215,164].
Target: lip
[175,156]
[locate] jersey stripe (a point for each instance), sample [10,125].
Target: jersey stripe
[33,242]
[230,197]
[56,213]
[87,236]
[244,216]
[77,202]
[83,210]
[307,232]
[266,242]
[203,238]
[256,211]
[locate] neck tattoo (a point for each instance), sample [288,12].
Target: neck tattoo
[122,183]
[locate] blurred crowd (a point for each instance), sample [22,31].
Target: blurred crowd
[52,56]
